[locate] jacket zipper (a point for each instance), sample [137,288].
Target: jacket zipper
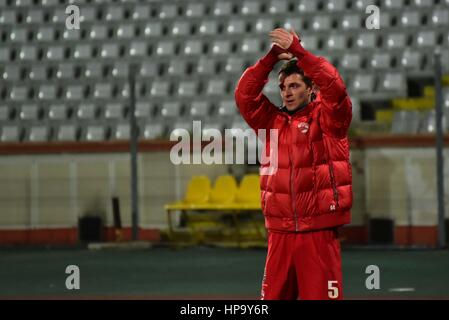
[334,187]
[291,179]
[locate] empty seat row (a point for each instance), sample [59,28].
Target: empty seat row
[70,92]
[162,11]
[385,83]
[404,122]
[186,28]
[223,108]
[103,131]
[70,132]
[140,11]
[56,13]
[413,122]
[161,88]
[226,194]
[400,60]
[114,110]
[232,65]
[197,47]
[63,112]
[373,40]
[65,132]
[71,71]
[134,49]
[213,87]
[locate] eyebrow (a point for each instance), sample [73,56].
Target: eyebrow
[281,85]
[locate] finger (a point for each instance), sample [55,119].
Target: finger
[276,39]
[285,56]
[282,31]
[279,37]
[284,34]
[278,31]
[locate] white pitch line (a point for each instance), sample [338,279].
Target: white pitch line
[401,289]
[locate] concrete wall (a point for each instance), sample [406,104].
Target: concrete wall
[401,184]
[53,191]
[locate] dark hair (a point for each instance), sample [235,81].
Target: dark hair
[291,67]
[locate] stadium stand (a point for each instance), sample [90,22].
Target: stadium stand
[197,50]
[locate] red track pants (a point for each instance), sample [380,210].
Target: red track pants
[304,265]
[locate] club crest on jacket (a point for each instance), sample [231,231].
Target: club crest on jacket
[303,127]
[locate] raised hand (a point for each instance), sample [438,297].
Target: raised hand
[282,37]
[285,56]
[281,54]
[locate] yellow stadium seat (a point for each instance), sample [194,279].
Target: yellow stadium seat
[425,103]
[221,195]
[225,196]
[429,91]
[248,194]
[384,116]
[224,192]
[445,80]
[197,195]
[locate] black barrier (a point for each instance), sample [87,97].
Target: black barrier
[381,231]
[89,229]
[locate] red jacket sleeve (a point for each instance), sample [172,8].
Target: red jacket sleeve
[254,106]
[336,112]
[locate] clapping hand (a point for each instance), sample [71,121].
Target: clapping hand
[282,37]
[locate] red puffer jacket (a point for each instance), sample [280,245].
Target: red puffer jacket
[312,187]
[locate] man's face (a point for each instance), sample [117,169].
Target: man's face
[294,91]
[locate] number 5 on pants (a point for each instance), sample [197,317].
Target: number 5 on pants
[332,290]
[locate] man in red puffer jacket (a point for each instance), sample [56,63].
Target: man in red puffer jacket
[310,194]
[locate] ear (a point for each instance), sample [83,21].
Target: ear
[310,93]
